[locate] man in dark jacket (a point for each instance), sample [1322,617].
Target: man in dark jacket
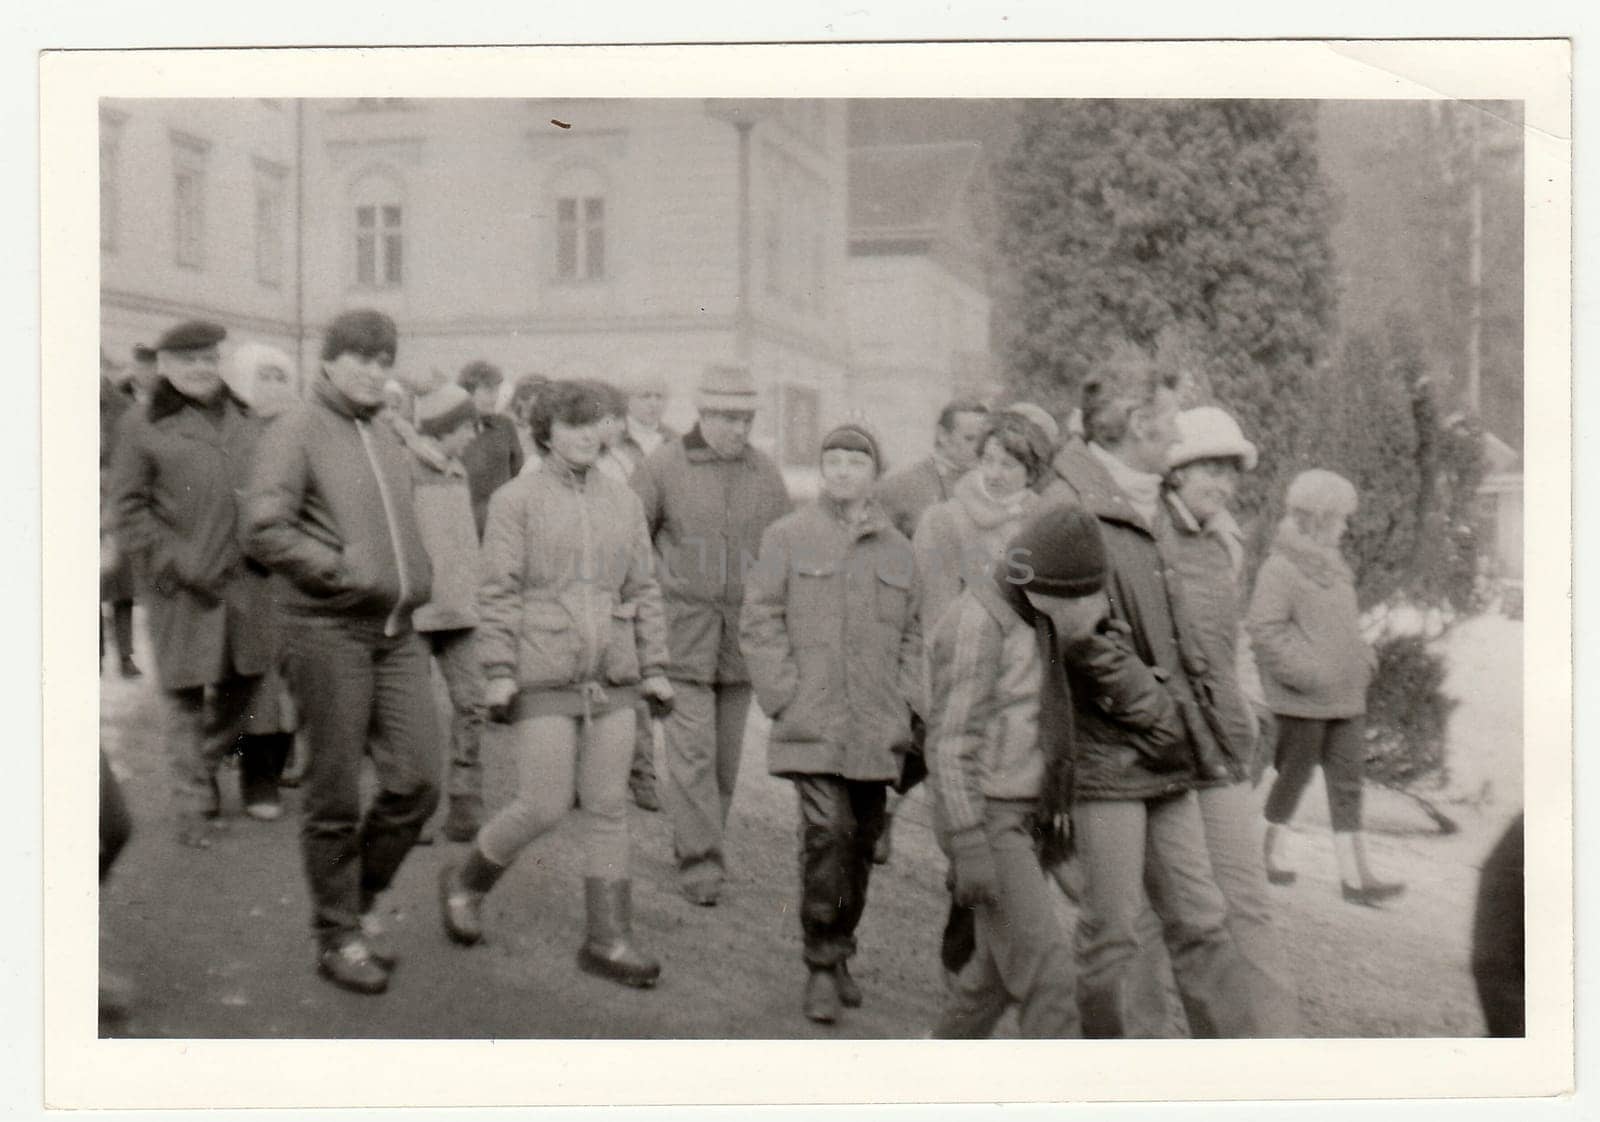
[1143,738]
[177,467]
[495,454]
[330,508]
[707,499]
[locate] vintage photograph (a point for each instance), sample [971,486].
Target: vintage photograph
[811,568]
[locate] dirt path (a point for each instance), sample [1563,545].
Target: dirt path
[217,941]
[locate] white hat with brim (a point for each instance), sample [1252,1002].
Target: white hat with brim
[1209,433]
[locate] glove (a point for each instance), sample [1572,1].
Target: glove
[977,878]
[497,696]
[658,696]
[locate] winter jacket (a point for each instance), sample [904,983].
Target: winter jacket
[983,735]
[1139,683]
[1215,604]
[829,632]
[176,473]
[330,507]
[960,539]
[1303,618]
[633,453]
[706,516]
[569,604]
[493,458]
[908,493]
[443,502]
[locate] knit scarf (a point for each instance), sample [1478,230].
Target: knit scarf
[1056,728]
[1142,489]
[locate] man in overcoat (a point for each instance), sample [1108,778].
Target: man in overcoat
[177,471]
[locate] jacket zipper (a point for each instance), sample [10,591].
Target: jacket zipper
[391,626]
[586,578]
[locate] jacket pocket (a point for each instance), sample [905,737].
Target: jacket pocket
[894,596]
[812,615]
[549,644]
[622,648]
[802,718]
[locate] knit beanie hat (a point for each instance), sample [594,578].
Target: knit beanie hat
[858,436]
[1062,550]
[726,389]
[443,409]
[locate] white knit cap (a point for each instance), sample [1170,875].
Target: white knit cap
[729,389]
[1320,491]
[239,372]
[1209,433]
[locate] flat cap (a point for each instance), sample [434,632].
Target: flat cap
[196,334]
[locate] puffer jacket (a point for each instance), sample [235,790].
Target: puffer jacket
[959,540]
[1215,605]
[330,507]
[706,516]
[983,734]
[1138,685]
[569,604]
[830,634]
[1306,626]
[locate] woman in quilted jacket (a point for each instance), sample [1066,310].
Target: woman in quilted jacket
[1315,668]
[571,634]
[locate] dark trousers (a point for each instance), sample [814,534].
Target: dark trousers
[261,760]
[840,820]
[121,629]
[115,824]
[360,690]
[1339,746]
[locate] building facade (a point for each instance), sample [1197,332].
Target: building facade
[593,237]
[918,281]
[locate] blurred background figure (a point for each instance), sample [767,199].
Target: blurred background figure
[495,454]
[707,499]
[265,379]
[523,396]
[117,577]
[1315,668]
[1499,937]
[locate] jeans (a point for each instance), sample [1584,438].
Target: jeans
[704,742]
[360,690]
[201,731]
[1160,844]
[1340,747]
[1024,952]
[456,653]
[1233,841]
[840,820]
[557,756]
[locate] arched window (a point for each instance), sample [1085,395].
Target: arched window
[378,213]
[580,225]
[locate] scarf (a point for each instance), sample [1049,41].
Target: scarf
[1056,728]
[648,440]
[1142,489]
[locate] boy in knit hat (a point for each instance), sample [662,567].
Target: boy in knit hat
[443,429]
[830,635]
[1000,751]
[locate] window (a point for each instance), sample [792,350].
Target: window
[189,200]
[110,177]
[580,238]
[379,233]
[270,194]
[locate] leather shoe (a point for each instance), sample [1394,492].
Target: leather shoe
[378,944]
[821,1003]
[352,966]
[849,992]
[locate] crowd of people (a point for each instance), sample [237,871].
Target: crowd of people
[1055,630]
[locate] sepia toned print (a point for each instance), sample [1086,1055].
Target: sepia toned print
[1032,568]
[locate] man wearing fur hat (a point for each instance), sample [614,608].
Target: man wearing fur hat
[707,498]
[177,469]
[835,654]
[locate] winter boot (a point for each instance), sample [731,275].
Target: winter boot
[1357,883]
[849,991]
[350,965]
[608,951]
[461,892]
[1269,849]
[821,1000]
